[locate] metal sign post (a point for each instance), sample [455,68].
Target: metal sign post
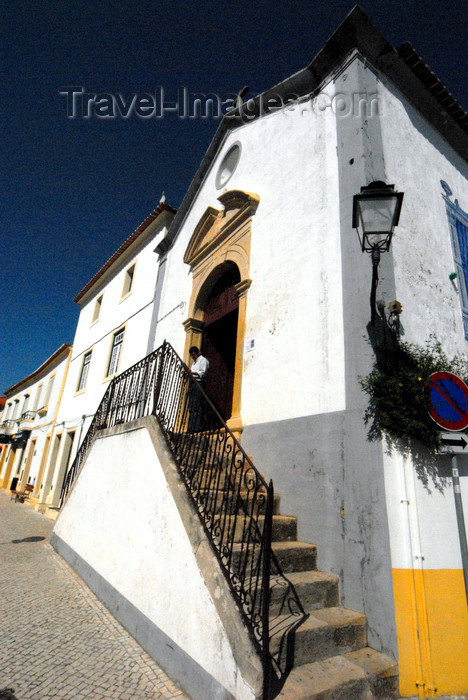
[460,520]
[447,400]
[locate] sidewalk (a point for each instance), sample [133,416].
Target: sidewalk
[57,641]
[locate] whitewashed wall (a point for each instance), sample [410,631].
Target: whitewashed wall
[294,305]
[38,434]
[308,308]
[422,519]
[135,311]
[57,368]
[40,426]
[424,537]
[416,160]
[151,564]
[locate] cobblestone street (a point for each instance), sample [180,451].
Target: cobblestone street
[57,641]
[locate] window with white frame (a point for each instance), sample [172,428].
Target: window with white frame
[97,309]
[84,372]
[128,281]
[116,350]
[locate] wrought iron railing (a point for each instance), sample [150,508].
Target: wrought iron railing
[233,500]
[7,424]
[28,415]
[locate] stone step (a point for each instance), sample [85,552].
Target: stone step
[328,649]
[205,458]
[219,479]
[335,678]
[199,444]
[382,671]
[295,556]
[326,632]
[360,675]
[284,528]
[315,589]
[292,556]
[223,500]
[212,479]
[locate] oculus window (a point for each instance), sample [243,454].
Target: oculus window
[228,166]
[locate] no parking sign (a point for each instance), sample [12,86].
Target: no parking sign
[447,400]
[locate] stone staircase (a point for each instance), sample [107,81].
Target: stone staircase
[331,659]
[328,651]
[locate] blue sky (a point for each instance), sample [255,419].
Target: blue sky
[74,189]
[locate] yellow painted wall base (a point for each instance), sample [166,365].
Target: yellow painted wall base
[432,628]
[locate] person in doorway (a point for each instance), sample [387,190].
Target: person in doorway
[199,369]
[200,365]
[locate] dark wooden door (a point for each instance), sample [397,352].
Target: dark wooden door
[220,339]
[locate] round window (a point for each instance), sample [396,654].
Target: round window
[228,165]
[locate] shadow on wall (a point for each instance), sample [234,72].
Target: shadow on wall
[432,468]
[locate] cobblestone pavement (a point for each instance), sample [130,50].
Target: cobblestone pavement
[57,641]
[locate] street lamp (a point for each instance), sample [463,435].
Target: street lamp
[376,212]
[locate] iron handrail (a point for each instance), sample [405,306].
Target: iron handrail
[231,497]
[7,423]
[28,415]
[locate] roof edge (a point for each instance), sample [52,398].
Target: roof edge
[422,71]
[356,32]
[160,209]
[62,350]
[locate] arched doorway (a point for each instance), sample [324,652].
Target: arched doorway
[219,339]
[219,257]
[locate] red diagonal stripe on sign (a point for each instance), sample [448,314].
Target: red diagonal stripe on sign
[449,400]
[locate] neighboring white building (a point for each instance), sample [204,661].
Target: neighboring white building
[263,260]
[114,331]
[29,420]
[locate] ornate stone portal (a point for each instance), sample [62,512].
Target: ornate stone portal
[221,239]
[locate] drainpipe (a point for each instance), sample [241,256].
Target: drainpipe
[409,566]
[415,564]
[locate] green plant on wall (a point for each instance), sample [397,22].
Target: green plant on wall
[397,409]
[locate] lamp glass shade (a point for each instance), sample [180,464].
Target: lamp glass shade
[376,213]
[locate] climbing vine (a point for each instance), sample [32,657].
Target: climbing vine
[397,408]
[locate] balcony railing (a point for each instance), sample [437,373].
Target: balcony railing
[233,501]
[7,425]
[28,415]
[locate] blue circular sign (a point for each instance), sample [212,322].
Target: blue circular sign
[447,400]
